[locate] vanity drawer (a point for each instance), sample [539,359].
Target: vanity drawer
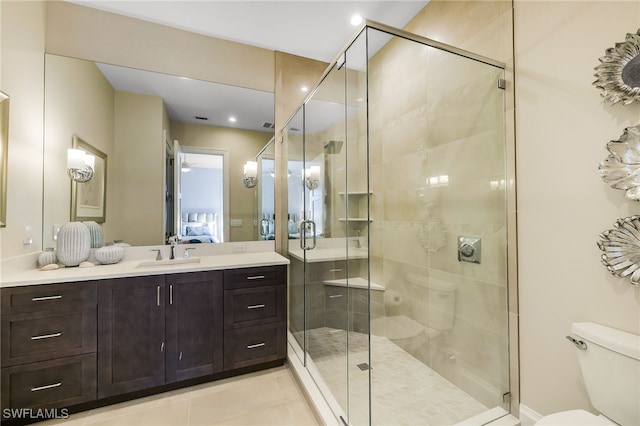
[335,298]
[254,345]
[42,336]
[252,277]
[324,271]
[48,297]
[51,384]
[246,307]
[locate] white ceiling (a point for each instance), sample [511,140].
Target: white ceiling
[313,29]
[309,28]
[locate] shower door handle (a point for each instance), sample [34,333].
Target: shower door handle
[303,234]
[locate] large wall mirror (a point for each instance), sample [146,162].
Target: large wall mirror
[137,118]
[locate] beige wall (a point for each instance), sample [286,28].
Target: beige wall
[22,44]
[241,146]
[78,100]
[138,170]
[562,129]
[86,33]
[291,74]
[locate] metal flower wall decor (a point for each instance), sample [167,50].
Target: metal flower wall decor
[621,247]
[618,75]
[621,169]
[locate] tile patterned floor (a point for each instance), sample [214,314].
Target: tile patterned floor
[404,390]
[270,397]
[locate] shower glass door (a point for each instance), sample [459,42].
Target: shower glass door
[439,342]
[395,159]
[327,296]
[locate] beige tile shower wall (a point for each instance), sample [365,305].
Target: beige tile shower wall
[484,28]
[438,117]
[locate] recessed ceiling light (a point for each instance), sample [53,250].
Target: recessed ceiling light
[356,20]
[232,119]
[304,89]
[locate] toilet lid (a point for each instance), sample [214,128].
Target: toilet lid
[574,418]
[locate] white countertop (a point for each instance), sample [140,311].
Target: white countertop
[131,268]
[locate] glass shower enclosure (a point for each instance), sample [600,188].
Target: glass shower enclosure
[398,232]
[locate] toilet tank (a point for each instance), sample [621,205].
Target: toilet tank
[610,368]
[442,304]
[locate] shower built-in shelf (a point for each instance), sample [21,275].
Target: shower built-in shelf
[359,205]
[356,193]
[355,282]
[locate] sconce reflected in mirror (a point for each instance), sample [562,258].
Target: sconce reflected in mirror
[312,177]
[250,174]
[80,165]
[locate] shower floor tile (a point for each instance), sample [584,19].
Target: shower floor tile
[404,391]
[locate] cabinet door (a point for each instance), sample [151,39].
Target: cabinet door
[194,324]
[131,338]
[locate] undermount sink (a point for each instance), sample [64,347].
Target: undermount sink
[168,262]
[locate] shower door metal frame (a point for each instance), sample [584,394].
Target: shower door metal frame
[510,216]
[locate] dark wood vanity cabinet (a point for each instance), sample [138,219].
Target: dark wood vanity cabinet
[194,325]
[158,329]
[255,316]
[131,340]
[73,343]
[48,345]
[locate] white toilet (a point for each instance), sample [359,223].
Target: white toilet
[410,334]
[609,360]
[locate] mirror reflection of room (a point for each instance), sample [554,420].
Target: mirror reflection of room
[134,116]
[202,192]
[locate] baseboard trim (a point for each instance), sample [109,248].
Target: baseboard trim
[528,417]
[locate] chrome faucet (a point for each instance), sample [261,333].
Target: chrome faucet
[357,239]
[173,240]
[186,251]
[158,254]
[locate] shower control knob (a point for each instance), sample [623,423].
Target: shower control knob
[467,250]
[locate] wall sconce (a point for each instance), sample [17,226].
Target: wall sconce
[312,177]
[80,165]
[250,174]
